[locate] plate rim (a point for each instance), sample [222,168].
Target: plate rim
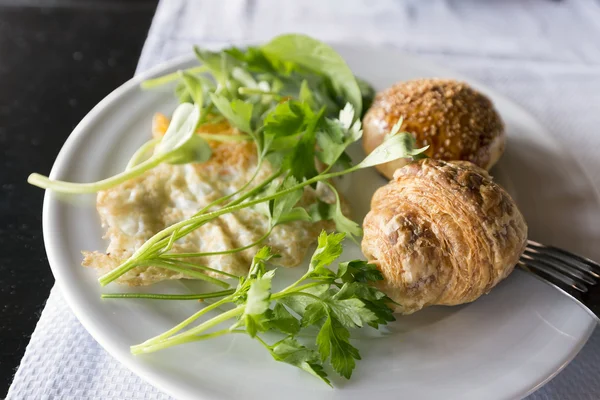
[52,244]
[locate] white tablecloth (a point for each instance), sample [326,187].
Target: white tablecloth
[543,54]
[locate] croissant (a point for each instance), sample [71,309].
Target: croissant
[442,233]
[456,121]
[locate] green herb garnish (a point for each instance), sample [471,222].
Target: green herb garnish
[325,301]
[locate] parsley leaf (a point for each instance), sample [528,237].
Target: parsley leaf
[194,87]
[320,58]
[258,267]
[180,145]
[283,206]
[257,303]
[299,304]
[358,290]
[350,312]
[336,135]
[313,313]
[286,119]
[195,150]
[237,112]
[219,64]
[252,58]
[373,300]
[342,223]
[332,341]
[358,271]
[329,248]
[290,351]
[181,128]
[285,203]
[395,145]
[244,77]
[279,318]
[300,160]
[306,95]
[282,209]
[254,291]
[295,214]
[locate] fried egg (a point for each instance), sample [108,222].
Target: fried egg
[139,208]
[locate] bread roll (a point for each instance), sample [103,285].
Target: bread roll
[456,121]
[442,233]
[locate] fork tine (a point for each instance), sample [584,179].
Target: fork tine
[552,275]
[550,279]
[560,265]
[582,263]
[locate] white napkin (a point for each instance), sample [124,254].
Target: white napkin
[545,55]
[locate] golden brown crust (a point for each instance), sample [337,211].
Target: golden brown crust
[456,121]
[442,233]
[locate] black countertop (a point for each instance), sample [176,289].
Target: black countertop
[57,60]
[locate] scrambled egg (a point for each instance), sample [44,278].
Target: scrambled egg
[137,209]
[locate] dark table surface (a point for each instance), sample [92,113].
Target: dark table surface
[57,60]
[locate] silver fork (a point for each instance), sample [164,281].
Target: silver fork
[578,277]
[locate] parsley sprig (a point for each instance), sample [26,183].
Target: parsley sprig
[329,301]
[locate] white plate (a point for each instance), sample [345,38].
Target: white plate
[503,346]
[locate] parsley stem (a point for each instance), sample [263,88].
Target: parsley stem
[293,285]
[298,293]
[117,272]
[159,296]
[288,291]
[184,264]
[171,242]
[224,138]
[217,253]
[136,350]
[139,153]
[190,334]
[186,322]
[264,343]
[205,114]
[162,80]
[187,270]
[79,188]
[250,91]
[229,196]
[255,189]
